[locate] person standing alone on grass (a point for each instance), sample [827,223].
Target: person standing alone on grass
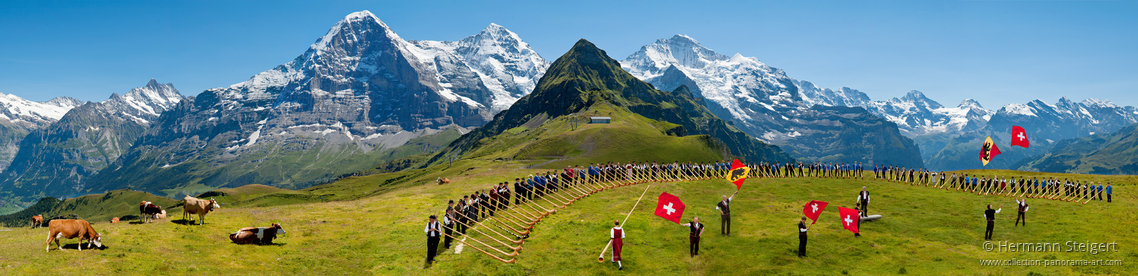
[990,215]
[432,231]
[1022,209]
[802,237]
[725,215]
[696,231]
[616,235]
[1109,191]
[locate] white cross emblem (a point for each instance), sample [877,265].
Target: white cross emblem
[669,208]
[815,206]
[1021,137]
[848,220]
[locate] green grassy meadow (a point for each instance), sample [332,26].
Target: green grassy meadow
[373,225]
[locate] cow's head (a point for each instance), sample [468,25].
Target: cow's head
[98,241]
[278,227]
[213,204]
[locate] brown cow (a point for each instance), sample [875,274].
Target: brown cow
[149,211]
[115,220]
[442,180]
[199,207]
[258,235]
[59,229]
[160,215]
[37,221]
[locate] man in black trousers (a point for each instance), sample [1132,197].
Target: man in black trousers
[1022,209]
[696,231]
[990,215]
[863,200]
[802,237]
[448,224]
[725,214]
[433,234]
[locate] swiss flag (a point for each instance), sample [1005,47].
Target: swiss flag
[1019,137]
[849,218]
[738,174]
[669,207]
[813,209]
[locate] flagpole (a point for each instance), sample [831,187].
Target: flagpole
[601,258]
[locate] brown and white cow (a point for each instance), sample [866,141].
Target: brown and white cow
[59,229]
[37,221]
[258,235]
[115,220]
[199,207]
[149,211]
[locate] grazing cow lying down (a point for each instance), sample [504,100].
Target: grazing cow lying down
[37,221]
[442,180]
[115,220]
[160,215]
[258,235]
[198,206]
[72,228]
[148,210]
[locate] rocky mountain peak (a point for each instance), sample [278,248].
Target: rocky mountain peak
[147,102]
[919,99]
[970,103]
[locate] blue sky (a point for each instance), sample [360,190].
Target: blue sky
[997,52]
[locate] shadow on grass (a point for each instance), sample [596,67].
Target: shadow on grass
[75,246]
[265,244]
[183,222]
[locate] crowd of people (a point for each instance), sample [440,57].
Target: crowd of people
[543,193]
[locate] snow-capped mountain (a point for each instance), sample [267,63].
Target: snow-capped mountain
[358,91]
[743,86]
[57,159]
[19,116]
[1065,119]
[764,102]
[19,111]
[145,103]
[917,115]
[504,63]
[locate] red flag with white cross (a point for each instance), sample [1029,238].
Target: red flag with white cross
[849,218]
[813,209]
[1019,137]
[669,207]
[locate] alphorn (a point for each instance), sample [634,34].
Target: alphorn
[512,254]
[601,258]
[510,261]
[491,230]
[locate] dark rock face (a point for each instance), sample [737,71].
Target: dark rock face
[850,134]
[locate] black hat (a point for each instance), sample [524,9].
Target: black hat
[433,217]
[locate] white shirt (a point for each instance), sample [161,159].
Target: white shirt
[1022,204]
[612,232]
